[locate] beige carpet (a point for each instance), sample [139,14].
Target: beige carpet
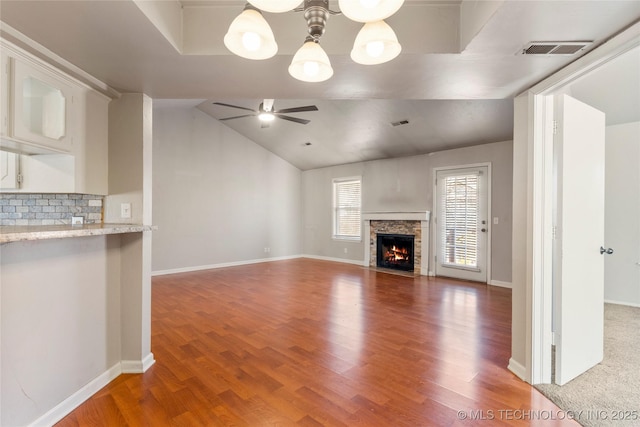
[609,393]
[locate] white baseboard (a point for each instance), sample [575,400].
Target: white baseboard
[519,370]
[629,304]
[65,407]
[137,366]
[221,265]
[500,284]
[326,258]
[431,274]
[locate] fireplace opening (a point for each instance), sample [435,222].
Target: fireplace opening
[395,251]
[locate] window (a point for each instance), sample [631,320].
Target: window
[346,208]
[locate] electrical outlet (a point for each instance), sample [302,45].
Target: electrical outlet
[346,251]
[125,210]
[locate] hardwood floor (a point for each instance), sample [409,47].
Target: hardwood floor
[311,343]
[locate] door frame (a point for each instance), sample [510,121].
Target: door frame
[537,111]
[434,232]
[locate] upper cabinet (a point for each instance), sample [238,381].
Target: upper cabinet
[38,106]
[58,123]
[41,107]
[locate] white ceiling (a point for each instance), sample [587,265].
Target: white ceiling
[453,82]
[614,88]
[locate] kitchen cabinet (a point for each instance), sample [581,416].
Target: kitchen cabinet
[41,106]
[38,106]
[9,171]
[57,123]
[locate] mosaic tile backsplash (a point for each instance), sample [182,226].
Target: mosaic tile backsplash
[48,209]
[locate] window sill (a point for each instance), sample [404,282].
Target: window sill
[348,239]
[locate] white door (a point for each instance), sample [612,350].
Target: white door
[578,263]
[462,223]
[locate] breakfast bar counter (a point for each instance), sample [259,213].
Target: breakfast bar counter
[19,233]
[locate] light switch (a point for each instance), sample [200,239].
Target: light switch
[125,210]
[495,220]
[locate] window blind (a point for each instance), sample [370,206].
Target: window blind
[347,209]
[460,210]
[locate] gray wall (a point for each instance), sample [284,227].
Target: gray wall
[622,214]
[406,184]
[218,197]
[60,321]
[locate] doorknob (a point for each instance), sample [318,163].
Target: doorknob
[608,251]
[484,230]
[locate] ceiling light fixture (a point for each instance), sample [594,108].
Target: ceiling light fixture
[376,43]
[266,111]
[250,36]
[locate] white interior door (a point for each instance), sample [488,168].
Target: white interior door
[578,263]
[462,223]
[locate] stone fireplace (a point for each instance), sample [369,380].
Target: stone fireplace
[395,251]
[406,225]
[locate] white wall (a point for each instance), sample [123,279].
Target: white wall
[57,335]
[217,196]
[521,276]
[406,184]
[622,213]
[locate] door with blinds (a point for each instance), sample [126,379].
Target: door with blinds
[462,225]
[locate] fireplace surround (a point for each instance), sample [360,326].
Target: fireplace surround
[414,224]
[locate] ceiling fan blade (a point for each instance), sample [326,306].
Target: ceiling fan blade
[238,117]
[233,106]
[298,109]
[293,119]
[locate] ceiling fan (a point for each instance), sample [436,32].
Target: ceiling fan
[267,114]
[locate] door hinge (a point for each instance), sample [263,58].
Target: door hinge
[554,232]
[19,178]
[555,127]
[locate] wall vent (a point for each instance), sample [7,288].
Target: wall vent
[400,123]
[554,48]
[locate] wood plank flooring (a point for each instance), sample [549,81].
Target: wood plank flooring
[315,343]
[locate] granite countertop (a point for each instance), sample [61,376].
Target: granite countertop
[19,233]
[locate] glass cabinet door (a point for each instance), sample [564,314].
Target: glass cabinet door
[40,107]
[43,108]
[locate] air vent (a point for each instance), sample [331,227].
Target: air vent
[400,123]
[554,48]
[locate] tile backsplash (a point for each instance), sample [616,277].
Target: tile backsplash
[49,209]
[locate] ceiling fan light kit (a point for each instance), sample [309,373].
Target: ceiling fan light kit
[376,43]
[266,113]
[250,35]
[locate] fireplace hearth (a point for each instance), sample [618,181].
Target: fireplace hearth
[395,251]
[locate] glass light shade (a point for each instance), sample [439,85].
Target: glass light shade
[266,116]
[376,43]
[369,10]
[311,63]
[275,6]
[250,36]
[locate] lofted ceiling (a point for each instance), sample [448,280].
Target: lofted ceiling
[454,81]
